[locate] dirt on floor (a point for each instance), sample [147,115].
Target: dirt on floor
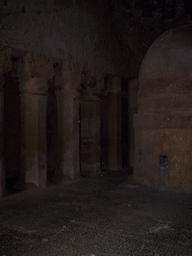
[109,214]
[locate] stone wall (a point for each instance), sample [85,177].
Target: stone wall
[64,30]
[163,123]
[106,35]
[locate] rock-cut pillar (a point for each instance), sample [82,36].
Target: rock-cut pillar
[112,126]
[34,70]
[90,116]
[67,82]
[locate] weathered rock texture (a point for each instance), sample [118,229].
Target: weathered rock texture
[90,114]
[34,70]
[163,123]
[112,126]
[88,41]
[67,82]
[99,34]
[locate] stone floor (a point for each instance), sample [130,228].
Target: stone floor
[105,215]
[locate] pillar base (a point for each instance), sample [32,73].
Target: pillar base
[20,186]
[61,178]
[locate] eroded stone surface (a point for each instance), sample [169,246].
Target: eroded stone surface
[163,120]
[105,215]
[34,64]
[34,71]
[68,75]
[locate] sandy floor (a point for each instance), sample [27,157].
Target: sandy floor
[105,215]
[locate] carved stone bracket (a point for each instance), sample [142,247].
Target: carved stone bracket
[114,84]
[5,62]
[68,75]
[92,82]
[34,67]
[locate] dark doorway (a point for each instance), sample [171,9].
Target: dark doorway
[51,127]
[125,118]
[11,130]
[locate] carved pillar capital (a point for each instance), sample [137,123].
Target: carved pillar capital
[68,75]
[67,93]
[5,62]
[92,82]
[34,70]
[114,84]
[33,86]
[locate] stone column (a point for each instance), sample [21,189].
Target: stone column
[5,66]
[67,82]
[90,137]
[90,152]
[112,126]
[34,70]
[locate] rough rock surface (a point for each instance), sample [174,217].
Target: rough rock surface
[105,215]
